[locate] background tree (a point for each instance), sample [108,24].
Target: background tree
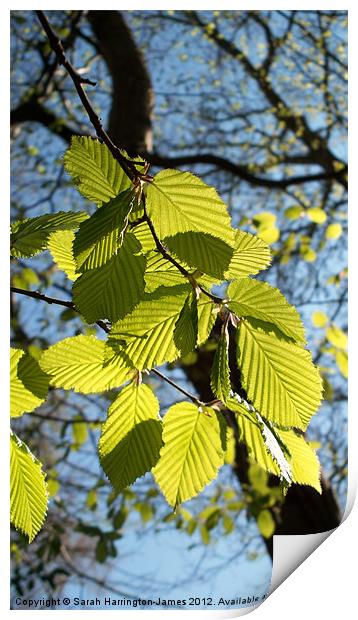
[255,102]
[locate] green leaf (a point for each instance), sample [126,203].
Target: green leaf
[148,332]
[179,202]
[304,461]
[112,291]
[317,215]
[342,363]
[262,301]
[28,493]
[98,176]
[60,244]
[251,255]
[79,432]
[337,337]
[220,372]
[78,363]
[319,319]
[160,272]
[186,328]
[194,447]
[293,213]
[99,237]
[28,237]
[131,436]
[202,251]
[266,229]
[261,440]
[279,377]
[144,236]
[266,523]
[28,383]
[207,313]
[334,231]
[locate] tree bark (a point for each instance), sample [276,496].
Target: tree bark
[130,119]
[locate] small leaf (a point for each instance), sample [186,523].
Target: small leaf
[334,231]
[220,372]
[28,383]
[193,451]
[293,213]
[79,432]
[337,337]
[131,437]
[28,493]
[266,523]
[319,319]
[78,363]
[317,215]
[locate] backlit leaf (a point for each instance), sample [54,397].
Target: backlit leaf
[279,377]
[131,436]
[28,383]
[78,363]
[28,237]
[251,255]
[60,244]
[193,451]
[95,172]
[28,493]
[262,301]
[220,372]
[113,290]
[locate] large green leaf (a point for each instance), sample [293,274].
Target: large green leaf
[113,290]
[251,255]
[194,446]
[131,437]
[220,372]
[186,328]
[284,453]
[147,333]
[30,236]
[79,363]
[262,442]
[202,251]
[304,461]
[28,383]
[98,238]
[279,377]
[160,272]
[98,176]
[179,202]
[261,301]
[60,244]
[28,492]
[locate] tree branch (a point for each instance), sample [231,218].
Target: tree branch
[78,80]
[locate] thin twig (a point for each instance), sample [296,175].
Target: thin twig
[78,80]
[102,325]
